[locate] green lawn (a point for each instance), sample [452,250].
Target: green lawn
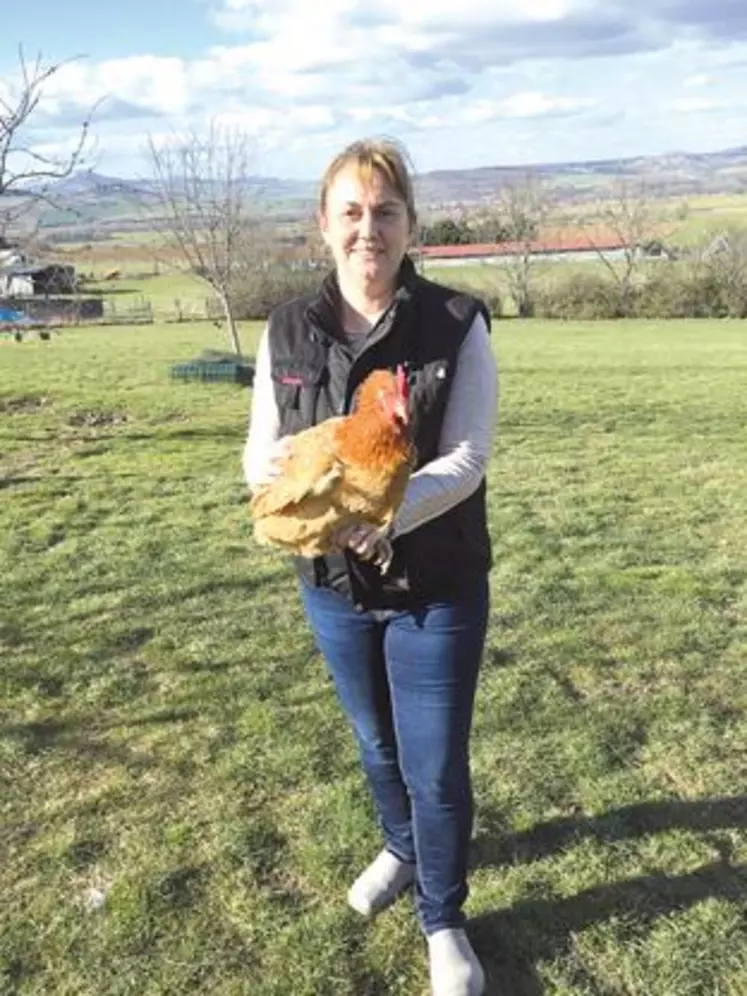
[181,809]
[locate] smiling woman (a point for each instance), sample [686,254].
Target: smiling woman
[402,643]
[367,218]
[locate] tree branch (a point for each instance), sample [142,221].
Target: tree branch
[31,178]
[201,187]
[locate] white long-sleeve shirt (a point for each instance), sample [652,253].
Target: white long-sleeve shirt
[463,449]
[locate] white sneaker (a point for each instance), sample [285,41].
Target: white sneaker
[455,970]
[380,884]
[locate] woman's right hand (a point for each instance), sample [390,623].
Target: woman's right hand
[368,542]
[275,463]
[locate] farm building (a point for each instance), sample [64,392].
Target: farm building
[566,247]
[11,256]
[37,281]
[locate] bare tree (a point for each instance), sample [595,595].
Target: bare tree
[28,176]
[630,216]
[523,207]
[201,186]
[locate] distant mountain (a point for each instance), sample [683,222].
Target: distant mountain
[111,202]
[88,183]
[676,168]
[85,183]
[677,173]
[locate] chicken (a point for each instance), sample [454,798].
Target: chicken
[347,470]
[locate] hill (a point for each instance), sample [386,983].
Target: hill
[678,173]
[90,205]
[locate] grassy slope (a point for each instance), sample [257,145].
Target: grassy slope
[169,739]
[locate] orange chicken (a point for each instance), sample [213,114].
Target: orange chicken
[347,470]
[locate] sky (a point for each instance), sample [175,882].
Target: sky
[463,83]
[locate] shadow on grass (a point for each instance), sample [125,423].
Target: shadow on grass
[50,479]
[181,597]
[511,942]
[161,434]
[496,846]
[156,431]
[79,734]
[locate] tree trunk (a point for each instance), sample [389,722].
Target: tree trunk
[524,303]
[626,290]
[233,330]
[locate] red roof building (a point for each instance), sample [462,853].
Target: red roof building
[550,245]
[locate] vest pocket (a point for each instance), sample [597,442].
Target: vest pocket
[288,394]
[297,394]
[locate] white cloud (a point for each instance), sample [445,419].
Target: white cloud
[689,105]
[537,105]
[471,82]
[699,80]
[265,16]
[698,105]
[158,83]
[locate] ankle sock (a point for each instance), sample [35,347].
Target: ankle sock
[454,967]
[380,884]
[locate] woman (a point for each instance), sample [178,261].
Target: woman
[403,648]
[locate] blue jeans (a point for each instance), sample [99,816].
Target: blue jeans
[406,681]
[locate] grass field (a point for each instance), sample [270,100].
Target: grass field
[181,809]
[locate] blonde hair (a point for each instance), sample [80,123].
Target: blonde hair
[368,156]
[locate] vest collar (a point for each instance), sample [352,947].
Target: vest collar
[324,311]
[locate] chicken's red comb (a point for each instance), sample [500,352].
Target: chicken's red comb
[402,383]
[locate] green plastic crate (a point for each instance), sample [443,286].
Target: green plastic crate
[214,367]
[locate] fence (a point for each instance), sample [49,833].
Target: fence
[54,311]
[138,312]
[145,312]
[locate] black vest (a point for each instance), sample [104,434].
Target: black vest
[316,371]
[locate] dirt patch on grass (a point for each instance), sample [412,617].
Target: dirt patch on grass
[96,417]
[24,404]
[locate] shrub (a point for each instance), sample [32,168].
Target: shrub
[492,301]
[579,296]
[672,292]
[697,291]
[261,290]
[490,296]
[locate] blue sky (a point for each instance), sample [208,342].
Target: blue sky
[466,83]
[104,30]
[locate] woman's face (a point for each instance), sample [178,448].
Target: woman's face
[367,228]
